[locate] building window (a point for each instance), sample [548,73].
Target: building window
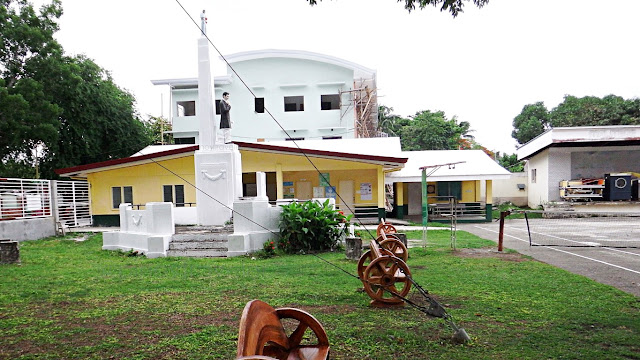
[259,105]
[118,193]
[171,192]
[218,107]
[185,140]
[294,103]
[331,137]
[533,175]
[330,102]
[295,139]
[186,108]
[449,188]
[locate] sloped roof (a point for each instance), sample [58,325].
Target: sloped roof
[472,165]
[361,150]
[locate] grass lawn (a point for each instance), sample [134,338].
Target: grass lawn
[71,300]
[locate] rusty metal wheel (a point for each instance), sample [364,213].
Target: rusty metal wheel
[386,276]
[364,261]
[387,228]
[396,248]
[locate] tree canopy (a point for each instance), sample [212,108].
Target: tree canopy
[534,119]
[60,111]
[427,130]
[452,6]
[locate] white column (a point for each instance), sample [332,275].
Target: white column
[205,109]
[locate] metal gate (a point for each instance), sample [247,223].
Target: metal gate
[73,204]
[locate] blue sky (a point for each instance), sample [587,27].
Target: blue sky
[482,67]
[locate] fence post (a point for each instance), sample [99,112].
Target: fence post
[503,214]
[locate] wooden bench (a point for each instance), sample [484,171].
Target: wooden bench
[262,334]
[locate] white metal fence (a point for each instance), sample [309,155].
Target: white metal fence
[73,205]
[24,198]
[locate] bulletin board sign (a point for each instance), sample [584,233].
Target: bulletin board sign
[324,179]
[366,192]
[330,192]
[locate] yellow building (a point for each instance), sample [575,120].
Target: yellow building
[455,178]
[308,170]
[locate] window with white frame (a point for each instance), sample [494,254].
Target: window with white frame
[294,103]
[186,108]
[330,102]
[118,194]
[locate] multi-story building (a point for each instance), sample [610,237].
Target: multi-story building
[282,95]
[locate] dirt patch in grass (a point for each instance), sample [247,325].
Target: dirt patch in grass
[489,253]
[117,336]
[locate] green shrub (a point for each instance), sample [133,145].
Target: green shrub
[310,226]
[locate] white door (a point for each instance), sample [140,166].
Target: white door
[347,197]
[304,190]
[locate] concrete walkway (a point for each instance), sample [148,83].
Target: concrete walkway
[619,268]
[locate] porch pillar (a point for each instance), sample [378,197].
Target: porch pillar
[381,195]
[478,191]
[279,182]
[399,200]
[489,199]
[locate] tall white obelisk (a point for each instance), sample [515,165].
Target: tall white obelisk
[218,169]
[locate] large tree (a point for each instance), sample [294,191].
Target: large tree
[573,111]
[27,118]
[532,121]
[389,123]
[55,110]
[429,130]
[453,6]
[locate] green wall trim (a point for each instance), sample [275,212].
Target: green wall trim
[106,220]
[489,210]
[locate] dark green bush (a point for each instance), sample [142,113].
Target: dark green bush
[310,226]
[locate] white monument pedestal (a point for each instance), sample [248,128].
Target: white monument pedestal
[218,172]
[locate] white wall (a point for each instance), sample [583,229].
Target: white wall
[538,192]
[559,169]
[186,126]
[507,190]
[275,78]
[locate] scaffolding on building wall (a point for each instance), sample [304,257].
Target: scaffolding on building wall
[363,100]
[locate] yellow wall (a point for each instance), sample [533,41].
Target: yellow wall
[253,161]
[468,191]
[335,176]
[146,181]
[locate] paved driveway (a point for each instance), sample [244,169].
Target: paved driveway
[616,267]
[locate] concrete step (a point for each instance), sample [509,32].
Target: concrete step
[199,237]
[199,243]
[220,252]
[208,244]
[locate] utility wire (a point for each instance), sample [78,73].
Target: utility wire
[432,301]
[271,115]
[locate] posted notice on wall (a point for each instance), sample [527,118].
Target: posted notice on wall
[365,191]
[324,179]
[318,191]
